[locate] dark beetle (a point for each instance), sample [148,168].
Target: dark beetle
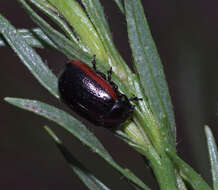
[87,92]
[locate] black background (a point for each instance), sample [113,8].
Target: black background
[185,33]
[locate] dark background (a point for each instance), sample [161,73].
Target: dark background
[186,36]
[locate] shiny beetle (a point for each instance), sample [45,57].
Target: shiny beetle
[93,96]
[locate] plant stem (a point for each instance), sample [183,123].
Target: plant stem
[162,168]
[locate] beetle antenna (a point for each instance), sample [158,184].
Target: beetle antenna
[94,62]
[135,99]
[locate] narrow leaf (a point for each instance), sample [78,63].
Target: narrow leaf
[148,65]
[34,37]
[54,15]
[180,183]
[81,24]
[28,56]
[96,15]
[63,119]
[213,154]
[67,47]
[82,172]
[75,128]
[30,39]
[168,172]
[188,174]
[38,35]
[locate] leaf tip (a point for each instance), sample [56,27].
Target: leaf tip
[207,130]
[8,99]
[52,134]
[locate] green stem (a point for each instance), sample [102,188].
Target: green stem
[162,168]
[159,160]
[155,151]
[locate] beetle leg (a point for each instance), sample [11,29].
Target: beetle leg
[94,62]
[109,73]
[95,68]
[115,87]
[101,74]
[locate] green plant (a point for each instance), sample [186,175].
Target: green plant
[152,129]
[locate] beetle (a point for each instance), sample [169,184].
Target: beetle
[92,95]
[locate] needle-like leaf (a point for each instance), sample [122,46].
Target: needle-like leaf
[213,154]
[67,47]
[28,56]
[149,68]
[31,37]
[77,129]
[188,174]
[82,172]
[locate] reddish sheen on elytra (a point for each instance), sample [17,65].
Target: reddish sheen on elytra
[92,95]
[97,78]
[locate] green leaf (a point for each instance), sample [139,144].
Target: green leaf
[75,128]
[67,47]
[34,37]
[30,39]
[39,35]
[81,171]
[213,154]
[96,14]
[119,4]
[63,119]
[28,56]
[81,24]
[188,174]
[148,65]
[168,173]
[54,15]
[180,183]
